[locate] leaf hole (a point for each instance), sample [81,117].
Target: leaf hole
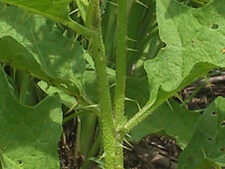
[209,139]
[20,162]
[215,26]
[222,149]
[164,45]
[7,69]
[214,113]
[222,123]
[196,4]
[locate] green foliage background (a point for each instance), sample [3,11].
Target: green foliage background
[170,45]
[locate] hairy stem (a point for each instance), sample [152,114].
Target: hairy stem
[121,52]
[144,113]
[137,118]
[106,117]
[97,50]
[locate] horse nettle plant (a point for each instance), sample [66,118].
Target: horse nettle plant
[141,52]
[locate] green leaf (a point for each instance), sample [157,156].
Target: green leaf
[39,48]
[194,41]
[207,146]
[82,6]
[141,23]
[56,10]
[136,89]
[29,135]
[66,99]
[109,28]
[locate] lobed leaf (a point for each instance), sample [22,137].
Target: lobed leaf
[194,42]
[29,135]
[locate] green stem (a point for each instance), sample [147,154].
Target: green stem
[121,53]
[97,49]
[143,113]
[24,87]
[106,118]
[77,27]
[137,118]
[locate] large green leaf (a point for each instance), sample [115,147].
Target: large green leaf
[194,38]
[207,146]
[56,9]
[28,135]
[39,47]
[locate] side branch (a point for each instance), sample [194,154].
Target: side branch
[142,114]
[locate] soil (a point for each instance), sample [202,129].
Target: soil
[152,152]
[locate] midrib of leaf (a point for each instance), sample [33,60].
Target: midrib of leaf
[56,10]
